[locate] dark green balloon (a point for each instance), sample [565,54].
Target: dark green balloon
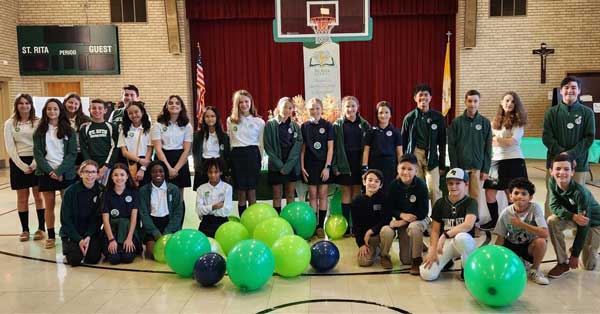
[302,218]
[159,248]
[250,265]
[183,250]
[495,275]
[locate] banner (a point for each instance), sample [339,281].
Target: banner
[447,85]
[322,71]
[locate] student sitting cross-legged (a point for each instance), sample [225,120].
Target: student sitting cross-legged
[452,231]
[522,227]
[367,210]
[161,206]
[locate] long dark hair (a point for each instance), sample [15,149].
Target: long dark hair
[17,116]
[165,116]
[218,126]
[110,185]
[64,127]
[517,117]
[80,117]
[145,119]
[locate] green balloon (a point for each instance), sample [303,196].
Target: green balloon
[215,247]
[183,250]
[159,248]
[272,229]
[292,255]
[335,202]
[229,234]
[495,275]
[301,217]
[335,226]
[256,214]
[250,265]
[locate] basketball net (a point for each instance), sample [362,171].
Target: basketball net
[322,26]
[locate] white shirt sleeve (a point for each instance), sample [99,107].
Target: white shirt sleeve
[202,208]
[155,131]
[11,148]
[227,208]
[121,142]
[518,134]
[189,133]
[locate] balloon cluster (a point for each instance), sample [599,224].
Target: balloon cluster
[252,249]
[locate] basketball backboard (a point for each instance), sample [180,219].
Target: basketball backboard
[351,20]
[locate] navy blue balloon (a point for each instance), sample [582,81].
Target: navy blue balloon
[209,269]
[324,256]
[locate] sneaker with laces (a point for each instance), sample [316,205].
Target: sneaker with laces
[386,262]
[38,235]
[24,236]
[414,267]
[559,271]
[538,277]
[50,243]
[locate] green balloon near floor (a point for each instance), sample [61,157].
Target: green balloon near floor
[159,248]
[215,247]
[301,217]
[495,275]
[183,250]
[250,265]
[335,226]
[229,234]
[256,214]
[335,203]
[292,255]
[271,230]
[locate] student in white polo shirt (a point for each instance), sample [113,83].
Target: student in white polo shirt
[134,142]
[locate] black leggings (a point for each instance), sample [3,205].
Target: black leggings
[74,255]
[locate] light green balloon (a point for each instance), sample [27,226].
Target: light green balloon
[256,214]
[335,226]
[495,275]
[229,234]
[183,250]
[250,265]
[159,248]
[215,247]
[292,255]
[272,229]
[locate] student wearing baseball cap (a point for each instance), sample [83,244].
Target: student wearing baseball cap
[453,221]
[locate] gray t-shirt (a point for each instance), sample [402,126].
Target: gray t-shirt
[534,215]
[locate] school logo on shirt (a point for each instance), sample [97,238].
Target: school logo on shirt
[322,130]
[95,199]
[428,120]
[164,129]
[478,127]
[17,129]
[206,194]
[434,126]
[317,145]
[290,130]
[114,212]
[412,198]
[570,125]
[235,128]
[388,133]
[130,134]
[295,134]
[578,120]
[221,147]
[128,199]
[376,207]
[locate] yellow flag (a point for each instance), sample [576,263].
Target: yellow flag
[447,86]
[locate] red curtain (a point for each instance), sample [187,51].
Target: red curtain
[238,52]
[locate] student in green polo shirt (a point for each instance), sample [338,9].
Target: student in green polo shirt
[470,143]
[569,128]
[424,135]
[573,207]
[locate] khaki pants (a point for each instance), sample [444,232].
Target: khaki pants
[474,184]
[432,177]
[590,246]
[410,240]
[382,241]
[579,177]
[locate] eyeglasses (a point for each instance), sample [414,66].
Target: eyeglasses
[88,172]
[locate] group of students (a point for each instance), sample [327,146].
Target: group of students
[399,168]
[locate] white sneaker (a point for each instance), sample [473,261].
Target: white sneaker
[527,264]
[538,277]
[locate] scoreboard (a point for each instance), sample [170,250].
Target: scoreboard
[68,50]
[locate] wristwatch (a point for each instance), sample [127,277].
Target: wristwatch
[328,166]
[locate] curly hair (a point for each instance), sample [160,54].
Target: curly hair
[517,117]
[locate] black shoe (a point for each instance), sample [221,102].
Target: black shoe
[448,265]
[488,226]
[462,275]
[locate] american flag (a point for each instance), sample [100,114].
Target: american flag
[200,87]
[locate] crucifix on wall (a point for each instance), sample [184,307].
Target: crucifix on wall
[544,51]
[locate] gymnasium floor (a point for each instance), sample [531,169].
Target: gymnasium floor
[35,280]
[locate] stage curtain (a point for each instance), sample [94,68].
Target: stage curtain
[238,52]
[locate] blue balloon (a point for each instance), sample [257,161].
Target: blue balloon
[209,269]
[324,256]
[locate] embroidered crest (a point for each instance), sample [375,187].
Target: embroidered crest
[221,147]
[295,134]
[290,130]
[428,120]
[434,126]
[412,198]
[130,134]
[114,212]
[235,128]
[570,125]
[164,129]
[388,133]
[128,199]
[322,130]
[17,129]
[478,127]
[95,199]
[377,207]
[317,145]
[578,120]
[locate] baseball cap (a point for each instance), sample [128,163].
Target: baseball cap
[457,173]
